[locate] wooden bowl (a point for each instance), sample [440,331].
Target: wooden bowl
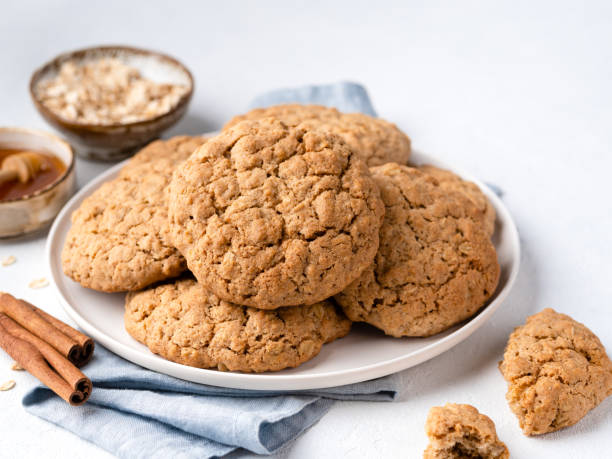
[111,142]
[37,210]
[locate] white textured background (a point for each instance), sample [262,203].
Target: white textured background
[518,92]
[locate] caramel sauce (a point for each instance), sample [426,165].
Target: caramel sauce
[53,170]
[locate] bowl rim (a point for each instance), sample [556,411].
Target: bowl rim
[82,52]
[54,138]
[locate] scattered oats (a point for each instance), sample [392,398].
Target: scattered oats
[7,385]
[39,283]
[16,367]
[106,91]
[8,260]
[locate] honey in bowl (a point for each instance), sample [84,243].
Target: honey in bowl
[51,169]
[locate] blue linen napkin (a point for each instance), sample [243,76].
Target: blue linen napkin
[345,96]
[137,413]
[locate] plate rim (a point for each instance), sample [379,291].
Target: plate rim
[275,381]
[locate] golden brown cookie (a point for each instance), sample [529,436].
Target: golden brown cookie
[460,431]
[557,371]
[183,322]
[435,265]
[164,155]
[269,215]
[119,235]
[452,181]
[290,114]
[375,140]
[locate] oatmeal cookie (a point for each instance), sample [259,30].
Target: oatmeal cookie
[119,235]
[557,371]
[435,265]
[290,114]
[375,140]
[183,322]
[269,215]
[162,156]
[452,181]
[460,431]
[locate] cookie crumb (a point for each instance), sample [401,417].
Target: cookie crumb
[16,367]
[457,431]
[6,261]
[39,283]
[7,385]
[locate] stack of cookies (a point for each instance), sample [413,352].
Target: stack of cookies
[257,246]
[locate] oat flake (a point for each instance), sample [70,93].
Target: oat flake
[8,260]
[39,283]
[16,367]
[7,385]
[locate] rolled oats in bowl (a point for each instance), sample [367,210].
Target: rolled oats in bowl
[110,101]
[106,91]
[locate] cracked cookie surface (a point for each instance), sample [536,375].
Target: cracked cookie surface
[269,215]
[119,239]
[162,156]
[183,322]
[461,431]
[290,114]
[435,265]
[375,140]
[452,181]
[557,371]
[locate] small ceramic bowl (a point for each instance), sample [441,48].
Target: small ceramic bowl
[35,211]
[112,142]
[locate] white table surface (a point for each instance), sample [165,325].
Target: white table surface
[518,93]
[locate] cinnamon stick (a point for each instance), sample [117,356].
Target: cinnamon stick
[73,376]
[72,344]
[44,362]
[85,342]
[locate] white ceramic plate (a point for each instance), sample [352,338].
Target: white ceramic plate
[364,354]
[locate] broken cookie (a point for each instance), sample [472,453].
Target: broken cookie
[557,371]
[460,431]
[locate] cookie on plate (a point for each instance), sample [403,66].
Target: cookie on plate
[270,215]
[119,235]
[452,181]
[435,265]
[460,431]
[183,322]
[375,140]
[164,155]
[290,114]
[557,371]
